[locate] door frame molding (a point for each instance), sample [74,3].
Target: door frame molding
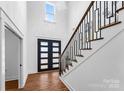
[5,21]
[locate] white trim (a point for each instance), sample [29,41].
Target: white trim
[6,26]
[45,37]
[6,21]
[2,54]
[67,84]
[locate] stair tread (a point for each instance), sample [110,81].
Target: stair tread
[80,55]
[86,49]
[97,39]
[109,25]
[74,60]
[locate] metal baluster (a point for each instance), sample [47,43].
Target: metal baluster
[82,34]
[93,22]
[104,14]
[73,50]
[78,41]
[79,32]
[76,47]
[112,12]
[97,19]
[122,3]
[115,12]
[66,64]
[70,53]
[95,25]
[89,29]
[100,20]
[87,33]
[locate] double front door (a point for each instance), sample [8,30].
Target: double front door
[48,54]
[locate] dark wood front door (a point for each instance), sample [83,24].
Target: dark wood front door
[48,54]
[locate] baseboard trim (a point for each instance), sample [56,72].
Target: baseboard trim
[67,84]
[25,80]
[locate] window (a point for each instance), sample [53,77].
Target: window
[49,12]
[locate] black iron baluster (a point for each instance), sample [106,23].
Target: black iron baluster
[112,15]
[70,53]
[100,19]
[80,40]
[122,3]
[76,47]
[82,35]
[74,56]
[89,29]
[109,17]
[66,56]
[87,37]
[93,22]
[115,12]
[96,21]
[104,13]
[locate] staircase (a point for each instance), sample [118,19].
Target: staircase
[90,35]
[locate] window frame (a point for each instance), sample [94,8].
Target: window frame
[54,14]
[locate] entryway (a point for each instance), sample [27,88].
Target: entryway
[12,60]
[48,54]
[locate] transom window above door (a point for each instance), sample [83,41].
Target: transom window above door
[50,12]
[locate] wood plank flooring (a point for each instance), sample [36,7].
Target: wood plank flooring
[11,85]
[44,81]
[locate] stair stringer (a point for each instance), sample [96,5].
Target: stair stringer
[108,34]
[102,71]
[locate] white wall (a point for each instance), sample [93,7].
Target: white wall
[39,28]
[12,58]
[103,71]
[17,12]
[76,10]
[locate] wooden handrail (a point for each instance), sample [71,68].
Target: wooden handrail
[95,19]
[92,2]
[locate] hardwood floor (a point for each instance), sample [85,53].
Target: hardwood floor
[11,85]
[44,81]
